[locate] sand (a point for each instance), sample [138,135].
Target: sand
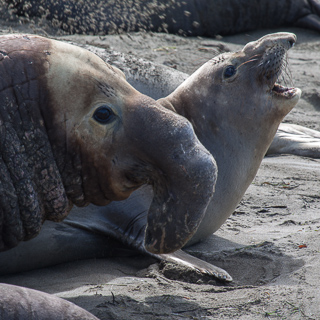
[270,245]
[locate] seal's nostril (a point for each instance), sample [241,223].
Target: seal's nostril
[291,43]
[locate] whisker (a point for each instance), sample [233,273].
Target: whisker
[256,55]
[285,76]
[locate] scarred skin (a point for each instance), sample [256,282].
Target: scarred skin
[58,149]
[188,17]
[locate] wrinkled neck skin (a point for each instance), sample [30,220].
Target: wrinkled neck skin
[236,144]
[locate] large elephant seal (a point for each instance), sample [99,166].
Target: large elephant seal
[235,107]
[17,303]
[73,131]
[188,17]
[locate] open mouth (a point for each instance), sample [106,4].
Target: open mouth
[283,91]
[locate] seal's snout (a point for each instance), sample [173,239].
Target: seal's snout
[181,171]
[273,64]
[272,69]
[180,204]
[285,39]
[291,43]
[182,191]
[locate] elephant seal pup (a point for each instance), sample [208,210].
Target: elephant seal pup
[17,303]
[73,131]
[187,17]
[235,124]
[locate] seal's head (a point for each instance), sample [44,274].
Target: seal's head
[236,106]
[86,136]
[238,85]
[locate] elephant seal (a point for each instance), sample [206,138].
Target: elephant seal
[184,17]
[297,140]
[238,146]
[17,303]
[74,132]
[235,124]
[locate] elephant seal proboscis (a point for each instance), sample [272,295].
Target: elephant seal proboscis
[73,131]
[17,303]
[235,107]
[185,17]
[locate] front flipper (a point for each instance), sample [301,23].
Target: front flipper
[296,140]
[184,259]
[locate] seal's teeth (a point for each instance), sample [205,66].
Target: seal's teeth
[284,91]
[279,89]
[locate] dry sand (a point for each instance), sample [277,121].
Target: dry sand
[270,245]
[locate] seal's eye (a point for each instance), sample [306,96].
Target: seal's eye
[229,71]
[103,114]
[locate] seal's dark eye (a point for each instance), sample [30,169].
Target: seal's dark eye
[103,114]
[229,71]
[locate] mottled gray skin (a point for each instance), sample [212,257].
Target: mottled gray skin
[211,104]
[188,17]
[55,152]
[17,303]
